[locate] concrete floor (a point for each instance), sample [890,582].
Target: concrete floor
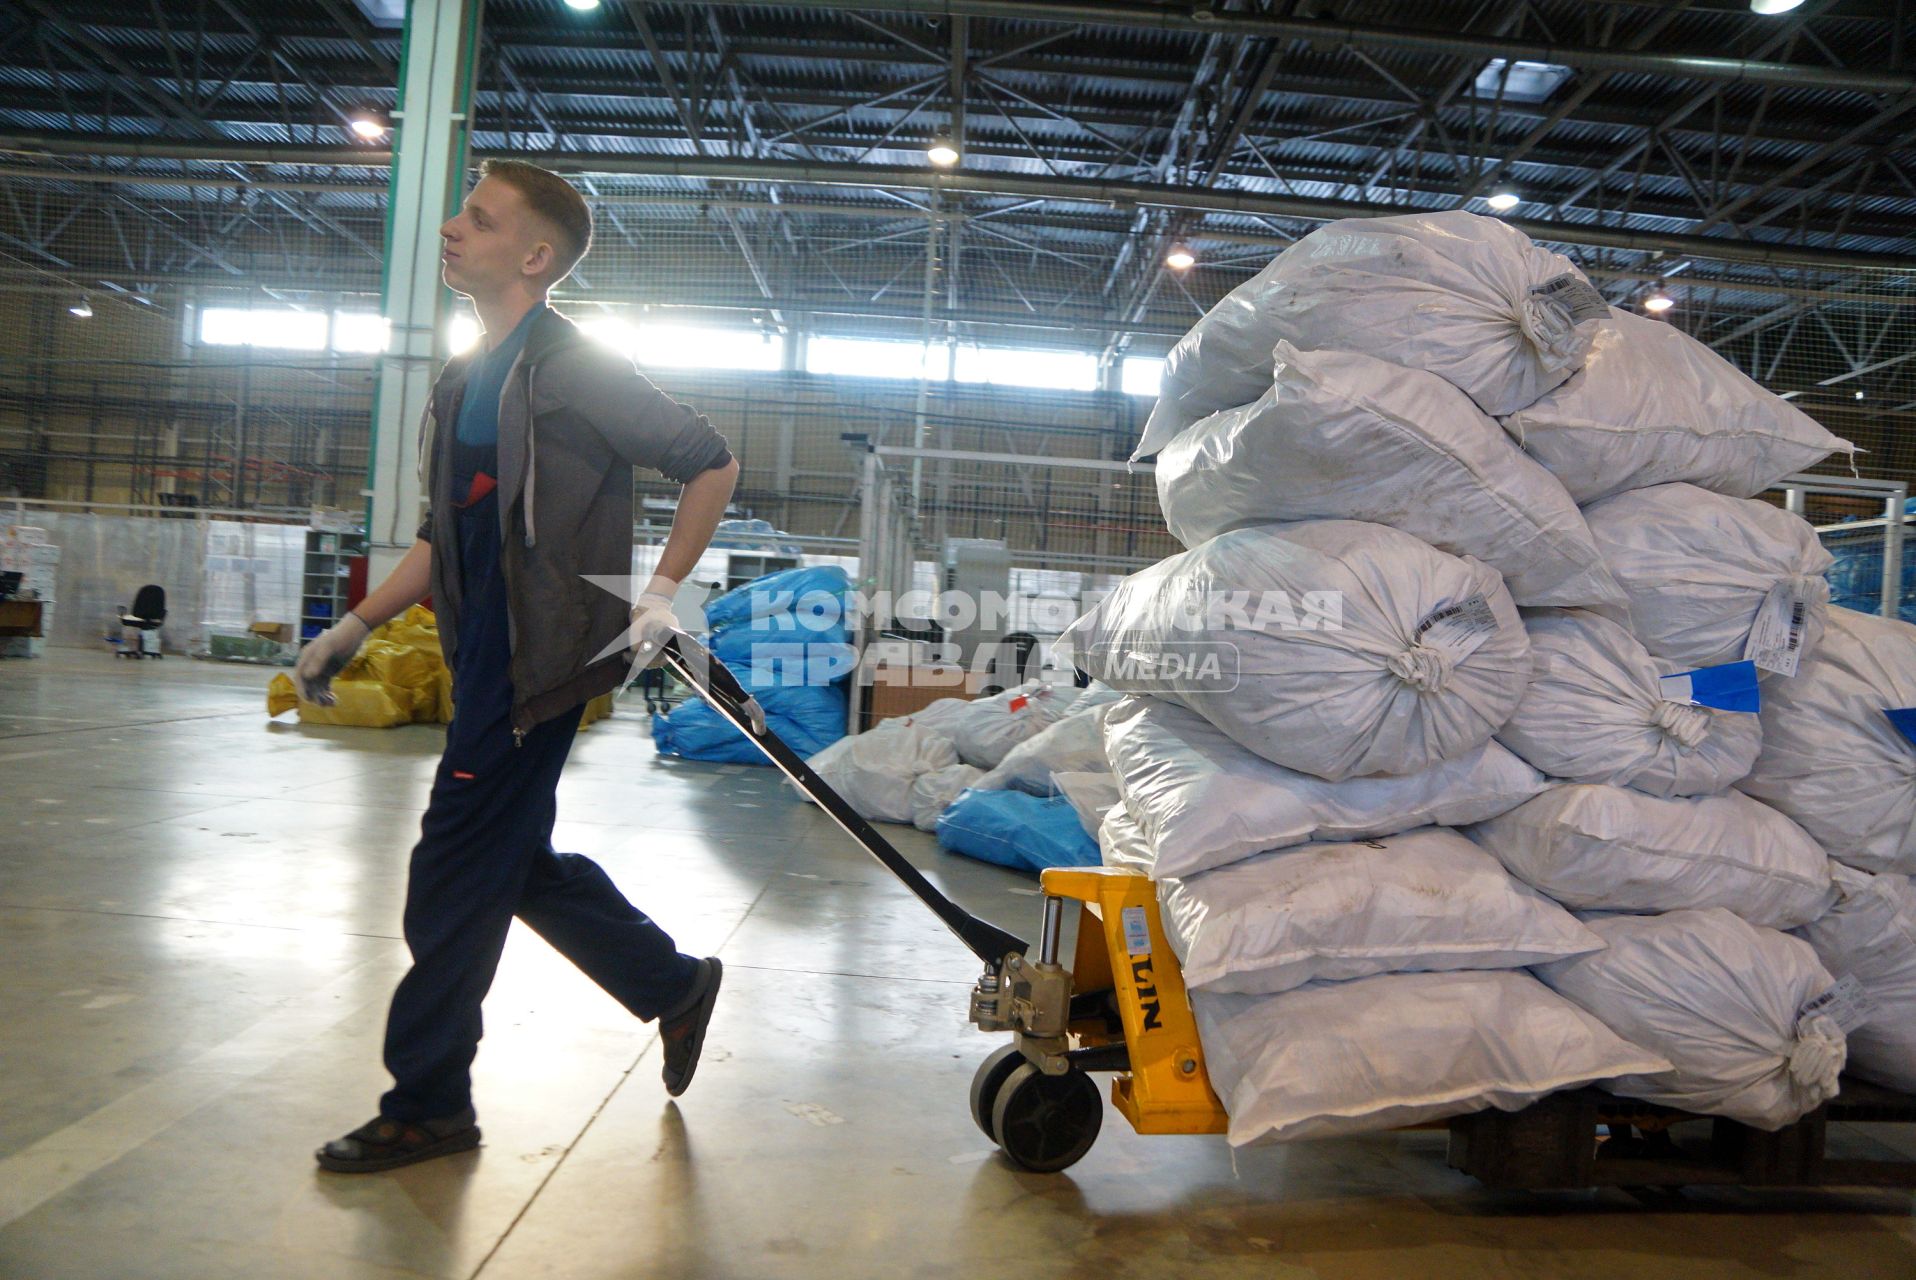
[201,913]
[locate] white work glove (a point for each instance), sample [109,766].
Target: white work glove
[652,621]
[326,655]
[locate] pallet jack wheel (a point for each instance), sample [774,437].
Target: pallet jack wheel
[1046,1123]
[988,1080]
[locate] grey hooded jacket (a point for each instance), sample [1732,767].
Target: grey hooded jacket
[574,418]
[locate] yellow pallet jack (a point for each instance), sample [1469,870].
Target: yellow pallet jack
[1120,1008]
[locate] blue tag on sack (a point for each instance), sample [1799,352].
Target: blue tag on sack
[1730,687]
[1904,718]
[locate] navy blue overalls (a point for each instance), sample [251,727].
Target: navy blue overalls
[485,847]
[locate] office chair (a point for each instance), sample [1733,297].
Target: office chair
[143,620]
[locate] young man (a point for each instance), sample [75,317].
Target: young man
[526,456]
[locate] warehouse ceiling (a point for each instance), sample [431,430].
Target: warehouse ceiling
[769,160]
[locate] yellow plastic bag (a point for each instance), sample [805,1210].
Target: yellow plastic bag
[362,703]
[400,666]
[398,677]
[280,695]
[597,709]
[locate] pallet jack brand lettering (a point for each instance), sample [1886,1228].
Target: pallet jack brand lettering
[1147,993]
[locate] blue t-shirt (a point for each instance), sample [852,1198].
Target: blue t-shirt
[479,410]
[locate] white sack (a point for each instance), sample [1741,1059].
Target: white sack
[1121,842]
[1720,999]
[874,770]
[1424,900]
[986,729]
[1203,801]
[1653,405]
[1342,436]
[932,793]
[1074,744]
[1870,935]
[1617,849]
[1702,570]
[941,714]
[1831,759]
[1467,297]
[1091,794]
[1088,699]
[1594,712]
[1337,1058]
[1333,655]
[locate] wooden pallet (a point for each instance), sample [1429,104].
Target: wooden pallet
[1588,1138]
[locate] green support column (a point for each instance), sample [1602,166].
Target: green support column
[428,180]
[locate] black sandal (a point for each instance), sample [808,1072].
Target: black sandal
[383,1143]
[682,1034]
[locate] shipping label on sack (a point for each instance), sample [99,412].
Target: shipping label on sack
[1904,718]
[1137,932]
[1578,298]
[1730,687]
[1776,638]
[1846,1004]
[1458,629]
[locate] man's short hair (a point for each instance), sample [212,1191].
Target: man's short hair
[555,200]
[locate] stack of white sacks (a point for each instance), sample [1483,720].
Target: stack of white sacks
[1036,737]
[1431,831]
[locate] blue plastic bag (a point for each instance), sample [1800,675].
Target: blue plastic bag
[1016,829]
[807,719]
[752,535]
[762,661]
[802,604]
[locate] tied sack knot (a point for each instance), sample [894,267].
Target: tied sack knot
[1422,667]
[1687,724]
[1817,1058]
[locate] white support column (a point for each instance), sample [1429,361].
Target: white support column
[1894,546]
[428,178]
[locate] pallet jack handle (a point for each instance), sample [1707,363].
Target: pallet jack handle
[693,663]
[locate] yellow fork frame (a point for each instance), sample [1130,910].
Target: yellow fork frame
[1121,947]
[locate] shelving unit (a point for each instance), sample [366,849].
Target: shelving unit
[322,590]
[744,566]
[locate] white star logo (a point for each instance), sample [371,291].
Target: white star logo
[688,613]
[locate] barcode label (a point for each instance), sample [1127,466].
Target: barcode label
[1137,933]
[1460,629]
[1575,295]
[1846,1004]
[1776,637]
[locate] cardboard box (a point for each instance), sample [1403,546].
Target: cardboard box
[23,618]
[948,677]
[279,632]
[897,690]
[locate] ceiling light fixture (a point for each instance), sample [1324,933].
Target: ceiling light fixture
[1658,303]
[369,126]
[1770,8]
[942,153]
[83,308]
[1504,201]
[585,6]
[1180,258]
